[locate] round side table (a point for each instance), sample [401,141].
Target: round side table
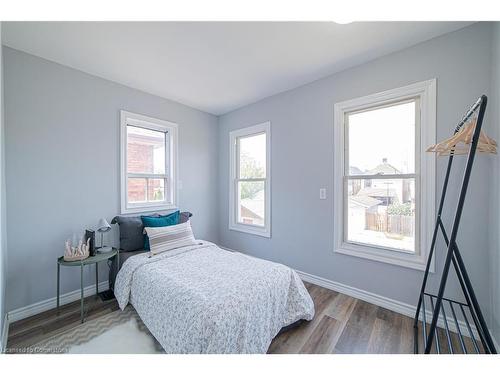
[96,259]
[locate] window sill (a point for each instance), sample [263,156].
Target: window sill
[416,262]
[147,209]
[263,232]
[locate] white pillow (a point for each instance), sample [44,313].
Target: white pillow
[171,237]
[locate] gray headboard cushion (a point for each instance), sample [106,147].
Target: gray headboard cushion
[185,217]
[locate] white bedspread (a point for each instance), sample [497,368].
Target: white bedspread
[202,299]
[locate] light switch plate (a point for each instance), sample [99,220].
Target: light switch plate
[322,193]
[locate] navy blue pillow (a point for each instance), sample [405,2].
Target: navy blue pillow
[159,221]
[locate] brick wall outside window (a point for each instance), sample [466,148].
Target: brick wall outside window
[140,160]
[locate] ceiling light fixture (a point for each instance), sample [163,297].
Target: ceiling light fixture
[343,21]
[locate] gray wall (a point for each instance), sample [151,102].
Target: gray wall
[495,188]
[62,166]
[3,237]
[302,162]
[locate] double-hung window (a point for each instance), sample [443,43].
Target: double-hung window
[250,182]
[384,180]
[148,163]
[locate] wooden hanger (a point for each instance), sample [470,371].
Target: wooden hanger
[459,143]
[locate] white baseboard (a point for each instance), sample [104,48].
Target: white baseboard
[228,249]
[388,303]
[38,307]
[5,334]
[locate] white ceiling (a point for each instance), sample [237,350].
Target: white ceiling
[216,66]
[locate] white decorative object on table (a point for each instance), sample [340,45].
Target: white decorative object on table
[78,252]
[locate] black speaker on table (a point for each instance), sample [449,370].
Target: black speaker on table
[90,234]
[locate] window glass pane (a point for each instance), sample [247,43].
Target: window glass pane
[382,140]
[381,212]
[136,189]
[252,156]
[156,189]
[251,202]
[145,150]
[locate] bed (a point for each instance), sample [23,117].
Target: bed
[203,299]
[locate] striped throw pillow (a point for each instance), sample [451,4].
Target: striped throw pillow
[168,238]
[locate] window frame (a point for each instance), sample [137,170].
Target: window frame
[171,169]
[424,175]
[234,224]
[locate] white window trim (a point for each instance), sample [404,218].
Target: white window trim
[426,92]
[129,118]
[264,231]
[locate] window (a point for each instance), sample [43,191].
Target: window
[250,182]
[148,163]
[384,179]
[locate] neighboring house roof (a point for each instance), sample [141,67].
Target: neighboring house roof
[378,192]
[364,201]
[255,206]
[384,168]
[355,171]
[245,212]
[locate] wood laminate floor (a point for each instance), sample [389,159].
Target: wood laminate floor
[346,325]
[342,324]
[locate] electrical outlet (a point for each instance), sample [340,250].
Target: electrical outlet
[322,193]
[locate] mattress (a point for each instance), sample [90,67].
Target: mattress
[113,270]
[202,299]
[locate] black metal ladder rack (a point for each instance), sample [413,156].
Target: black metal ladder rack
[437,302]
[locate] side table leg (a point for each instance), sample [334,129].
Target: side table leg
[58,282]
[117,264]
[81,293]
[96,279]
